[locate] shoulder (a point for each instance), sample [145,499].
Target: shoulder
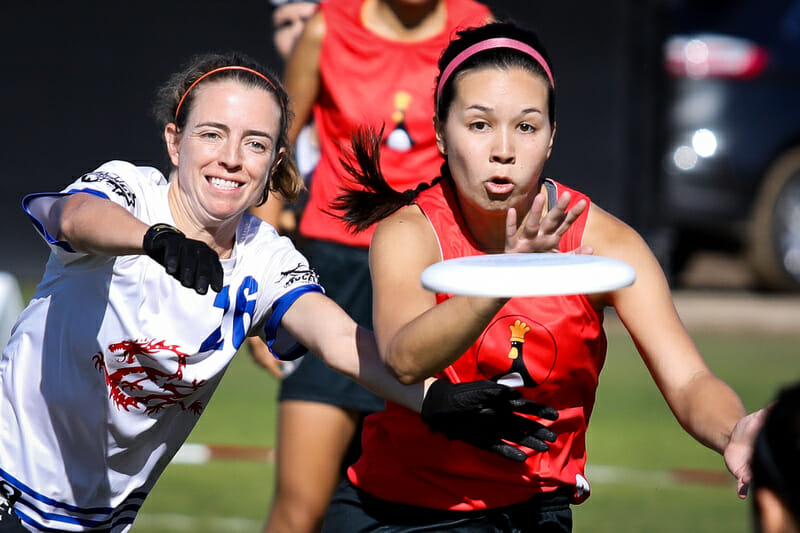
[405,230]
[608,235]
[131,172]
[314,31]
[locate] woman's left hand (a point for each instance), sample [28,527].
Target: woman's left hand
[543,234]
[739,450]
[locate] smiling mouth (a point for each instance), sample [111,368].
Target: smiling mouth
[225,185]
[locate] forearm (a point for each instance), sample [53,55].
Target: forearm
[368,369]
[98,226]
[439,336]
[708,409]
[326,330]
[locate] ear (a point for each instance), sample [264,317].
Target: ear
[440,144]
[774,515]
[172,139]
[552,139]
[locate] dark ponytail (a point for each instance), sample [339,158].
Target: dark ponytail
[368,198]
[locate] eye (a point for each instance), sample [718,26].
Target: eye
[479,125]
[212,135]
[526,127]
[258,146]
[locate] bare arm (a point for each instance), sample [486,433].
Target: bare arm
[324,328]
[97,226]
[418,338]
[302,76]
[705,406]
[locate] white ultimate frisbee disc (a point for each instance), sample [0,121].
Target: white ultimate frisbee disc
[528,274]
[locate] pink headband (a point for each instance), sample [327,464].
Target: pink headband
[488,44]
[220,69]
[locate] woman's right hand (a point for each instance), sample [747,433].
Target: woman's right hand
[543,233]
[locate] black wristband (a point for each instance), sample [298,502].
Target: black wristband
[154,231]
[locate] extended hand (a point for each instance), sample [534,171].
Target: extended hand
[540,234]
[484,413]
[261,355]
[739,450]
[191,262]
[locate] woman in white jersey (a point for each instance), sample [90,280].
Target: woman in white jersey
[121,347]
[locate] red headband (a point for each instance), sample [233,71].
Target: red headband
[488,44]
[220,69]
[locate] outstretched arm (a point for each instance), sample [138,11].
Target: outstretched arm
[320,325]
[705,406]
[482,413]
[94,225]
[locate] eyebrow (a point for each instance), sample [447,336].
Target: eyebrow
[225,127]
[485,109]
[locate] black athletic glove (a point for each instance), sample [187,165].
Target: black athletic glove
[191,262]
[484,413]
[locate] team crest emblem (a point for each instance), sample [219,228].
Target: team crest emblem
[137,377]
[530,349]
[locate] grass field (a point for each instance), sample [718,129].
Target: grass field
[633,442]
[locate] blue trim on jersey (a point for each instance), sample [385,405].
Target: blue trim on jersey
[279,308]
[38,224]
[110,511]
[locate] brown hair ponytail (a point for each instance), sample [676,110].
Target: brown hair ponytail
[369,198]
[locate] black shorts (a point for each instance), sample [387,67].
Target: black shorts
[344,273]
[355,511]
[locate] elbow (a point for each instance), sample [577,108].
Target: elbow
[404,371]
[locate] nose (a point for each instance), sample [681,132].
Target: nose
[503,147]
[230,156]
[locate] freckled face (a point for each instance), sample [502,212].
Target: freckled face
[226,150]
[497,137]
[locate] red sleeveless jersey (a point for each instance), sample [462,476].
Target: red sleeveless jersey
[366,79]
[551,348]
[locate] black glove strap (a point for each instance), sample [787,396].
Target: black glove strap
[154,231]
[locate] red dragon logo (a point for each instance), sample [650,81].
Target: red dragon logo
[125,383]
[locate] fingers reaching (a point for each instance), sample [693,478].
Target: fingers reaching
[540,233]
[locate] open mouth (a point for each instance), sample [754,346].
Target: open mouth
[223,184]
[499,185]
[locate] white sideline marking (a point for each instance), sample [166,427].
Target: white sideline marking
[192,454]
[198,454]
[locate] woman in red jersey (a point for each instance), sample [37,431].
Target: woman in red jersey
[495,124]
[357,62]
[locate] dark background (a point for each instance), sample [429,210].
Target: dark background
[78,80]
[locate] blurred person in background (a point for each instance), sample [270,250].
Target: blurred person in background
[289,18]
[358,62]
[775,466]
[10,305]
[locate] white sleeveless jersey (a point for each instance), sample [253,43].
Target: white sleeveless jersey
[113,361]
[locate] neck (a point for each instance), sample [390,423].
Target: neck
[398,21]
[220,236]
[488,228]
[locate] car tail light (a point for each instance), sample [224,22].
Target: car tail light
[714,56]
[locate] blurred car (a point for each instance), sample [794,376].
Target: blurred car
[731,167]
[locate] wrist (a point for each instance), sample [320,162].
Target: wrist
[156,230]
